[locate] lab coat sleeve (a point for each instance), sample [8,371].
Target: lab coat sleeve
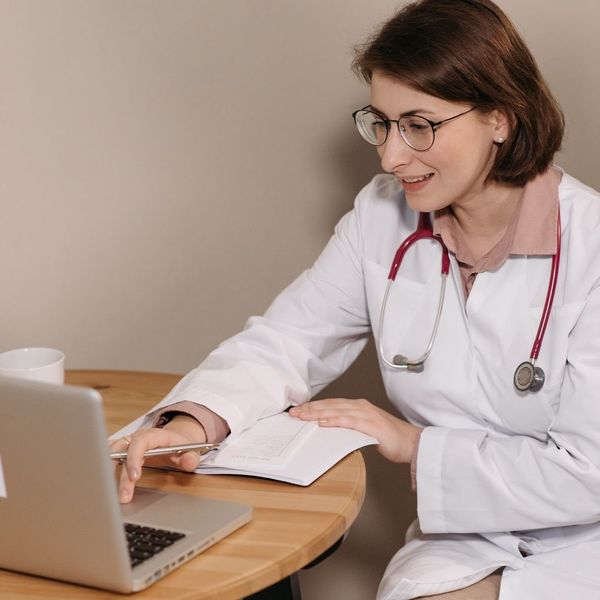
[310,334]
[476,481]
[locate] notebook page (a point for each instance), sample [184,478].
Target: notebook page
[271,442]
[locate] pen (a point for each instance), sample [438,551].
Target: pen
[167,450]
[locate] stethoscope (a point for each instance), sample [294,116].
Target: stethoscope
[528,376]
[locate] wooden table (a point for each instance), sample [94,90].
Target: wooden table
[291,526]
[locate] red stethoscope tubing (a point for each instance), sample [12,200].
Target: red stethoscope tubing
[424,230]
[539,336]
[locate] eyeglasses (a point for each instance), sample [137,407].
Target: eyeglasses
[418,132]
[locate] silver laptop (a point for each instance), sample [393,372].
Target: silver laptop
[59,512]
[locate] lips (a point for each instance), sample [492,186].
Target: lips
[412,184]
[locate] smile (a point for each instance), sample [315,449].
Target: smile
[417,179]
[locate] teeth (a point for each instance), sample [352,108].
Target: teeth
[415,179]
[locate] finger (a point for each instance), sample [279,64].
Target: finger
[307,410]
[131,468]
[320,404]
[360,415]
[126,486]
[141,442]
[315,406]
[343,401]
[326,414]
[119,445]
[327,411]
[188,461]
[352,422]
[346,419]
[152,438]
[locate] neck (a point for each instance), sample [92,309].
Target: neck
[483,219]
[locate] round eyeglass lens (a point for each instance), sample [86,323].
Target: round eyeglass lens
[417,132]
[372,127]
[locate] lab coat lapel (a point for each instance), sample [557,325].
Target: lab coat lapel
[503,326]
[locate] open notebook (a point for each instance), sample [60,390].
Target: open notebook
[279,447]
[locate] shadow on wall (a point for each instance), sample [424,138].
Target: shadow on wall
[355,570]
[350,164]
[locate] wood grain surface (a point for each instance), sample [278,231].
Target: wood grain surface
[292,525]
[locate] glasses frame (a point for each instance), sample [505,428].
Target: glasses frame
[435,125]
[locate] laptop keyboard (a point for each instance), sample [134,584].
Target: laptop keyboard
[144,542]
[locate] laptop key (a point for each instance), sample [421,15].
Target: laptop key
[145,547]
[140,554]
[160,542]
[144,542]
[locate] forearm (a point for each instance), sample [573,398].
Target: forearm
[215,428]
[469,481]
[188,427]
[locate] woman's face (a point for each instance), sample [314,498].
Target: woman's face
[454,169]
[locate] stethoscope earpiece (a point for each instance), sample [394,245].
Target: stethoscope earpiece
[528,377]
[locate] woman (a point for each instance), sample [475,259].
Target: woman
[504,461]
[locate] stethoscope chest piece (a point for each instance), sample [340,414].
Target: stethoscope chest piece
[403,362]
[528,377]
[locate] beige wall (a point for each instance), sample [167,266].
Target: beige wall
[168,166]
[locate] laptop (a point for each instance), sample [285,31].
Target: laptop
[59,512]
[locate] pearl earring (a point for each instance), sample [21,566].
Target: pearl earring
[500,140]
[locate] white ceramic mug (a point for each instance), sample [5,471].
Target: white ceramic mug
[40,364]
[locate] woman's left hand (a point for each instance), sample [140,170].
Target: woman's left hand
[396,437]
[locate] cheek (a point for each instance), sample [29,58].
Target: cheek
[463,160]
[439,159]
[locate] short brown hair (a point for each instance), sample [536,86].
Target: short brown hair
[469,51]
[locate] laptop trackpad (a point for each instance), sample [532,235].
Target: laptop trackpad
[143,498]
[184,512]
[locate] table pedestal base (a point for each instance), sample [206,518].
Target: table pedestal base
[286,589]
[289,588]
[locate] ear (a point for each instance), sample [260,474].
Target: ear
[501,125]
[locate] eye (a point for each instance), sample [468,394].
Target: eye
[415,124]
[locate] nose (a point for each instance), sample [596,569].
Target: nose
[395,152]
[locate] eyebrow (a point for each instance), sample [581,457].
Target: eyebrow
[409,113]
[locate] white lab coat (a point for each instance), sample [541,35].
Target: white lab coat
[500,474]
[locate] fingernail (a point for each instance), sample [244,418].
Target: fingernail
[323,421]
[133,474]
[124,496]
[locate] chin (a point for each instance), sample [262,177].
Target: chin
[425,204]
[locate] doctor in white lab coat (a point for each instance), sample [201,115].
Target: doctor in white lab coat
[507,481]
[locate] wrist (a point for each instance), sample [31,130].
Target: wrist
[413,460]
[187,426]
[413,436]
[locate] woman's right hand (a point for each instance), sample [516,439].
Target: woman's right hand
[182,429]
